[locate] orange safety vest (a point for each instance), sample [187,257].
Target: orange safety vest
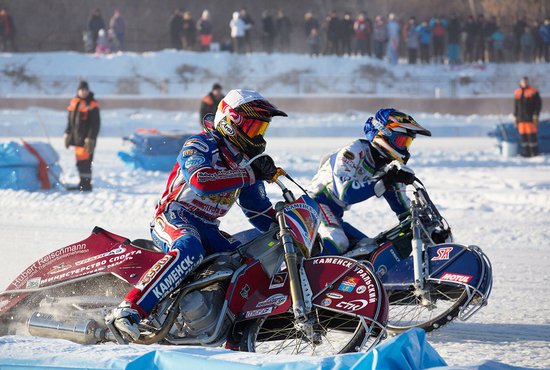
[83,106]
[528,93]
[208,100]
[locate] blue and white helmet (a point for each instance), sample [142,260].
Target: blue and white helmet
[391,132]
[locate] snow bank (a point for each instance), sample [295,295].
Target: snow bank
[185,73]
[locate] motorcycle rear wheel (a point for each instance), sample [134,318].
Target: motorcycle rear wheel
[407,311]
[278,335]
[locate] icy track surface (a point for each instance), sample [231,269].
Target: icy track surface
[502,205]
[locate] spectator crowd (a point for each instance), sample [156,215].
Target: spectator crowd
[455,39]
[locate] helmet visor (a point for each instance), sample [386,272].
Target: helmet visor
[254,127]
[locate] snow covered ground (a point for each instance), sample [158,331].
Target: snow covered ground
[184,73]
[500,204]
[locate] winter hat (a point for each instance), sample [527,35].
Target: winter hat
[83,85]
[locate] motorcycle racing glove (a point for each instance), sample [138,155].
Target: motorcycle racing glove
[396,172]
[264,168]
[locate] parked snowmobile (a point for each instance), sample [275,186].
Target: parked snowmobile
[430,280]
[268,296]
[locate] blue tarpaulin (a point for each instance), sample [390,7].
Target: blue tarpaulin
[406,351]
[153,150]
[19,168]
[508,133]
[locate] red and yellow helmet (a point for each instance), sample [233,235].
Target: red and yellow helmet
[243,117]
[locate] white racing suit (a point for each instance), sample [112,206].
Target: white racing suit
[345,178]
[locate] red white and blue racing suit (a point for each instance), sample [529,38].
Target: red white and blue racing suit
[345,178]
[205,182]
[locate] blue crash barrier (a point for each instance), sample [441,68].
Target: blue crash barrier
[508,137]
[153,150]
[20,168]
[406,351]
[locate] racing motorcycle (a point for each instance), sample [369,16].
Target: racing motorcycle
[267,296]
[430,280]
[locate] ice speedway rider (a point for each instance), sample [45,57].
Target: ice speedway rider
[212,171]
[373,166]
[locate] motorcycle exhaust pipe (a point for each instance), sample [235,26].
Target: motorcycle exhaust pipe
[80,331]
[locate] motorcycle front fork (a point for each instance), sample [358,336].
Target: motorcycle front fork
[304,320]
[419,265]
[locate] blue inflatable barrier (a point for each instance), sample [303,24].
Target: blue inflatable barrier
[507,136]
[20,167]
[153,150]
[406,351]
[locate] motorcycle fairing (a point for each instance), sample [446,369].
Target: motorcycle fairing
[337,283]
[303,218]
[451,263]
[385,259]
[102,252]
[464,265]
[252,293]
[348,286]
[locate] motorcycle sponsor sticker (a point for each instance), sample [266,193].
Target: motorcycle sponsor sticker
[449,276]
[33,283]
[59,268]
[278,280]
[259,312]
[361,289]
[113,252]
[244,291]
[197,144]
[194,161]
[354,305]
[335,295]
[382,270]
[49,259]
[334,261]
[443,254]
[348,285]
[326,302]
[83,270]
[274,300]
[367,280]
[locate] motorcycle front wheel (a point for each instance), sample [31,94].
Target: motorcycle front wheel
[334,333]
[438,306]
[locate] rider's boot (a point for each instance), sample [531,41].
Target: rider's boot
[127,320]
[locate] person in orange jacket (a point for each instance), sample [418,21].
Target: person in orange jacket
[83,125]
[527,106]
[209,104]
